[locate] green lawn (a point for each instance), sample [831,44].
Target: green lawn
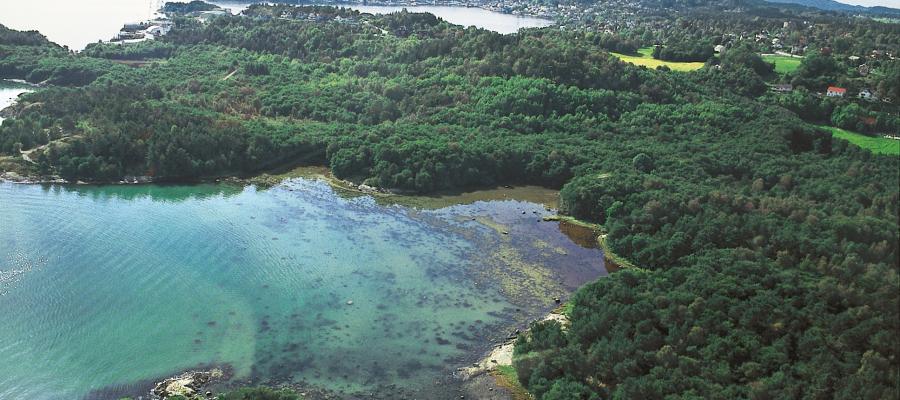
[507,377]
[645,57]
[783,64]
[877,144]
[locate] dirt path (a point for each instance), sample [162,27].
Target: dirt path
[383,31]
[229,75]
[26,154]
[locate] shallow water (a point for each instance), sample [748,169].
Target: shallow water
[105,288]
[9,92]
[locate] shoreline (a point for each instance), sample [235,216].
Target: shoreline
[531,193]
[492,369]
[611,258]
[9,110]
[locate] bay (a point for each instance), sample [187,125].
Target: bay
[105,289]
[75,23]
[9,93]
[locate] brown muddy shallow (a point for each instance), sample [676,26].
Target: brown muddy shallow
[526,193]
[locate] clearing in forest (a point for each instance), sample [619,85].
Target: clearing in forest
[783,64]
[644,57]
[877,144]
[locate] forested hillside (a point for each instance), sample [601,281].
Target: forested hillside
[832,5]
[768,250]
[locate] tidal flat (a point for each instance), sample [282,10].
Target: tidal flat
[105,289]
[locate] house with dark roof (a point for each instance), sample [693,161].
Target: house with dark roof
[783,88]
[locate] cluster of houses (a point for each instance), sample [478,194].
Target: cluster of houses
[531,8]
[516,7]
[832,91]
[159,25]
[865,94]
[299,15]
[796,38]
[140,31]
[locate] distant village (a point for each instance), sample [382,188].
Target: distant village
[776,43]
[141,31]
[616,10]
[610,17]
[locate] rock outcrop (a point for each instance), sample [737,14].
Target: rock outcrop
[187,384]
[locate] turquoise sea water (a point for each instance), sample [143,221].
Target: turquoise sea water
[104,289]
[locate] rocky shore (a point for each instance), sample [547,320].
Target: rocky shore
[190,384]
[15,177]
[486,379]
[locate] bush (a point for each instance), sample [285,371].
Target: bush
[260,393]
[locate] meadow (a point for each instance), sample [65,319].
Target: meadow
[877,144]
[783,64]
[645,58]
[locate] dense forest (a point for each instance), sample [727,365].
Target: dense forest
[694,51]
[767,250]
[186,8]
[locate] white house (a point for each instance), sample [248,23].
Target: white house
[783,88]
[866,94]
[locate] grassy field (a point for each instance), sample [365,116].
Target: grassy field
[783,64]
[508,378]
[877,144]
[645,57]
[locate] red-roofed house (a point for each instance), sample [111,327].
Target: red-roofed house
[834,91]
